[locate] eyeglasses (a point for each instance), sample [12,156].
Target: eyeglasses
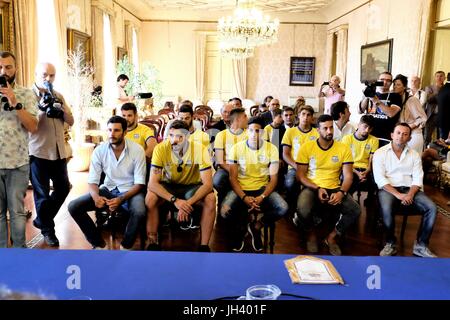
[180,168]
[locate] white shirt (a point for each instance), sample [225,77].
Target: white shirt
[339,134]
[404,172]
[122,173]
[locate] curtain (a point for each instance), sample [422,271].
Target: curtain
[109,59]
[341,53]
[200,62]
[61,34]
[97,42]
[239,78]
[426,19]
[25,25]
[330,55]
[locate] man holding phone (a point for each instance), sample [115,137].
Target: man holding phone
[17,118]
[332,92]
[48,152]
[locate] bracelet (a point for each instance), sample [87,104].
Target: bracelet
[243,198]
[343,192]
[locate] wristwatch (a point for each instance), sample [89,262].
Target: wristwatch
[18,106]
[173,199]
[343,192]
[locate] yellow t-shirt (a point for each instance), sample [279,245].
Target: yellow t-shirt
[324,166]
[140,135]
[226,139]
[361,149]
[195,159]
[200,137]
[295,138]
[253,173]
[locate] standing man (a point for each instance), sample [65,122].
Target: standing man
[341,120]
[431,108]
[122,96]
[181,175]
[17,117]
[398,173]
[320,165]
[444,109]
[123,163]
[48,152]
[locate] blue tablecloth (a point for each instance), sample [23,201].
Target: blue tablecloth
[191,275]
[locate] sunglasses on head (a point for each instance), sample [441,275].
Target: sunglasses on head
[180,168]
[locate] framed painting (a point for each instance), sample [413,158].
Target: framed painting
[375,59]
[76,38]
[121,52]
[302,70]
[7,26]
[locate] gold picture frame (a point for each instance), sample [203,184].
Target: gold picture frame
[6,25]
[121,52]
[75,38]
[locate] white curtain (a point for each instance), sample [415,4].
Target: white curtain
[426,19]
[239,78]
[97,44]
[25,25]
[330,56]
[61,40]
[108,63]
[135,50]
[200,63]
[341,53]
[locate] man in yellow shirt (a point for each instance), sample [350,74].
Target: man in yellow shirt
[222,145]
[363,146]
[293,139]
[139,133]
[186,114]
[181,176]
[320,165]
[253,176]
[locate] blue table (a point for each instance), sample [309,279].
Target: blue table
[204,276]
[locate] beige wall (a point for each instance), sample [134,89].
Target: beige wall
[268,70]
[79,15]
[443,13]
[170,47]
[377,21]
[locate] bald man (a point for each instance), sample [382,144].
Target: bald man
[48,152]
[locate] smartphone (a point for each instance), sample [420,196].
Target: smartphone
[3,82]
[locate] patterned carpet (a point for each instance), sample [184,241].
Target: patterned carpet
[443,211]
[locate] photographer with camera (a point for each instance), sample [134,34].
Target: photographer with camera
[332,93]
[17,118]
[48,152]
[383,105]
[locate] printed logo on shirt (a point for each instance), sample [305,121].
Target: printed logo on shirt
[335,159]
[136,136]
[367,146]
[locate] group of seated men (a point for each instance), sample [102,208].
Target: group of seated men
[319,173]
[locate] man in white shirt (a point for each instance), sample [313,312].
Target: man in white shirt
[123,163]
[341,116]
[399,176]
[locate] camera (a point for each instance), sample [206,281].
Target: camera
[51,106]
[145,95]
[3,99]
[371,88]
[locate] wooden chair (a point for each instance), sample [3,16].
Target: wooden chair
[268,232]
[254,111]
[206,109]
[168,112]
[158,124]
[203,118]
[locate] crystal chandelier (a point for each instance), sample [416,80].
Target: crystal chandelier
[246,29]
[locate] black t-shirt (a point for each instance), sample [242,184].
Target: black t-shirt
[384,125]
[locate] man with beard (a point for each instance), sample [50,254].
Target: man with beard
[363,146]
[123,163]
[320,164]
[139,133]
[186,114]
[17,118]
[181,177]
[48,153]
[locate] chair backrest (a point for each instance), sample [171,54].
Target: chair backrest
[254,110]
[203,117]
[168,112]
[205,109]
[158,123]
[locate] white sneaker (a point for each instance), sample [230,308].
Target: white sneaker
[422,251]
[100,248]
[388,250]
[124,249]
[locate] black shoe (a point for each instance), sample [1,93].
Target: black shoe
[204,248]
[257,243]
[154,247]
[51,240]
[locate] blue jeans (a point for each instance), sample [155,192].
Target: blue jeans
[309,205]
[422,204]
[292,188]
[47,205]
[13,187]
[273,207]
[221,182]
[134,206]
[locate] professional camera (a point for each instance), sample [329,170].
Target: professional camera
[50,104]
[3,99]
[371,88]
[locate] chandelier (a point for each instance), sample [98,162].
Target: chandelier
[246,29]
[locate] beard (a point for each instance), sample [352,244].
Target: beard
[9,79]
[116,141]
[328,137]
[177,147]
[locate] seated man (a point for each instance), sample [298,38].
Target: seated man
[181,175]
[253,177]
[398,173]
[341,120]
[319,167]
[186,114]
[363,146]
[123,163]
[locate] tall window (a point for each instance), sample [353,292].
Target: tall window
[108,67]
[135,51]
